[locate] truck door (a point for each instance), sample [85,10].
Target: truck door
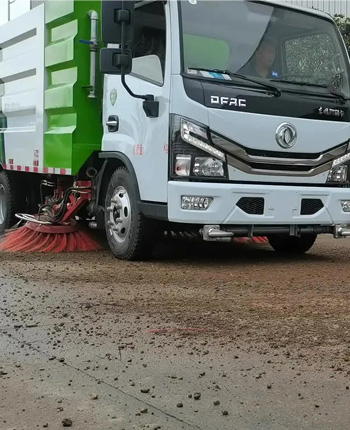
[142,139]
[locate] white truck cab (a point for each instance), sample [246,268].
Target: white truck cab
[247,125]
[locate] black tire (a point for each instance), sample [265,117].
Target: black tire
[12,200]
[286,244]
[137,239]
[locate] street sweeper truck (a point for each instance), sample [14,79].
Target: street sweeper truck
[222,119]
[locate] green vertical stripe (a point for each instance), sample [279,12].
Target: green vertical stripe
[74,129]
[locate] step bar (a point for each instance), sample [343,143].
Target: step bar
[226,234]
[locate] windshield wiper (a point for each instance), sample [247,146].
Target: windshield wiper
[271,88]
[287,81]
[333,93]
[339,95]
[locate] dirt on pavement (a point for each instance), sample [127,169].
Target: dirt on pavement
[224,304]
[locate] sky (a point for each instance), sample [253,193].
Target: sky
[17,8]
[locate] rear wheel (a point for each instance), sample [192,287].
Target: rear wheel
[286,244]
[130,235]
[12,200]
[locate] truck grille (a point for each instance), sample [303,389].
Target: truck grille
[310,206]
[274,163]
[252,205]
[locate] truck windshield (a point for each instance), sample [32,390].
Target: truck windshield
[296,50]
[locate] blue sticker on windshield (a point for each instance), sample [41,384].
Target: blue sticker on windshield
[274,74]
[217,75]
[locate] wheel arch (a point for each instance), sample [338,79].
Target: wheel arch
[116,159]
[113,160]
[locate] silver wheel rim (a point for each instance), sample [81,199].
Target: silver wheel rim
[2,204]
[119,215]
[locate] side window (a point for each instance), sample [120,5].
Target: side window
[310,56]
[149,43]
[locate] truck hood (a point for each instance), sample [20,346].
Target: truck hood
[257,131]
[254,128]
[251,118]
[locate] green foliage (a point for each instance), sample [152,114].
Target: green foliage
[342,21]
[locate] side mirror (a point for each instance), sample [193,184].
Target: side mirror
[118,16]
[114,62]
[118,29]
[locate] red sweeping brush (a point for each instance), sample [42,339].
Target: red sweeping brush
[34,237]
[254,239]
[51,232]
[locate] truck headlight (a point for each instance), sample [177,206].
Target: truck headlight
[197,136]
[193,154]
[183,165]
[338,174]
[339,170]
[208,167]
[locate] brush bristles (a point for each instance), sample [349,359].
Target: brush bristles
[26,240]
[254,239]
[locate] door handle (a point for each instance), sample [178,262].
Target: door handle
[113,123]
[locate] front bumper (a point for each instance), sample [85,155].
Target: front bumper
[282,204]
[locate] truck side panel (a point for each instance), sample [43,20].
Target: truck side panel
[74,124]
[22,79]
[48,124]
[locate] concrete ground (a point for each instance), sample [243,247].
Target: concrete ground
[200,337]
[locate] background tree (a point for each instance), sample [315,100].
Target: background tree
[342,22]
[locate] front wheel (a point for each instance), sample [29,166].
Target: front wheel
[130,235]
[286,244]
[12,200]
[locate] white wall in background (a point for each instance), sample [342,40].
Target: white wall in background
[331,6]
[17,9]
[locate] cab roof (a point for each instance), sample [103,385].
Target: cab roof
[286,5]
